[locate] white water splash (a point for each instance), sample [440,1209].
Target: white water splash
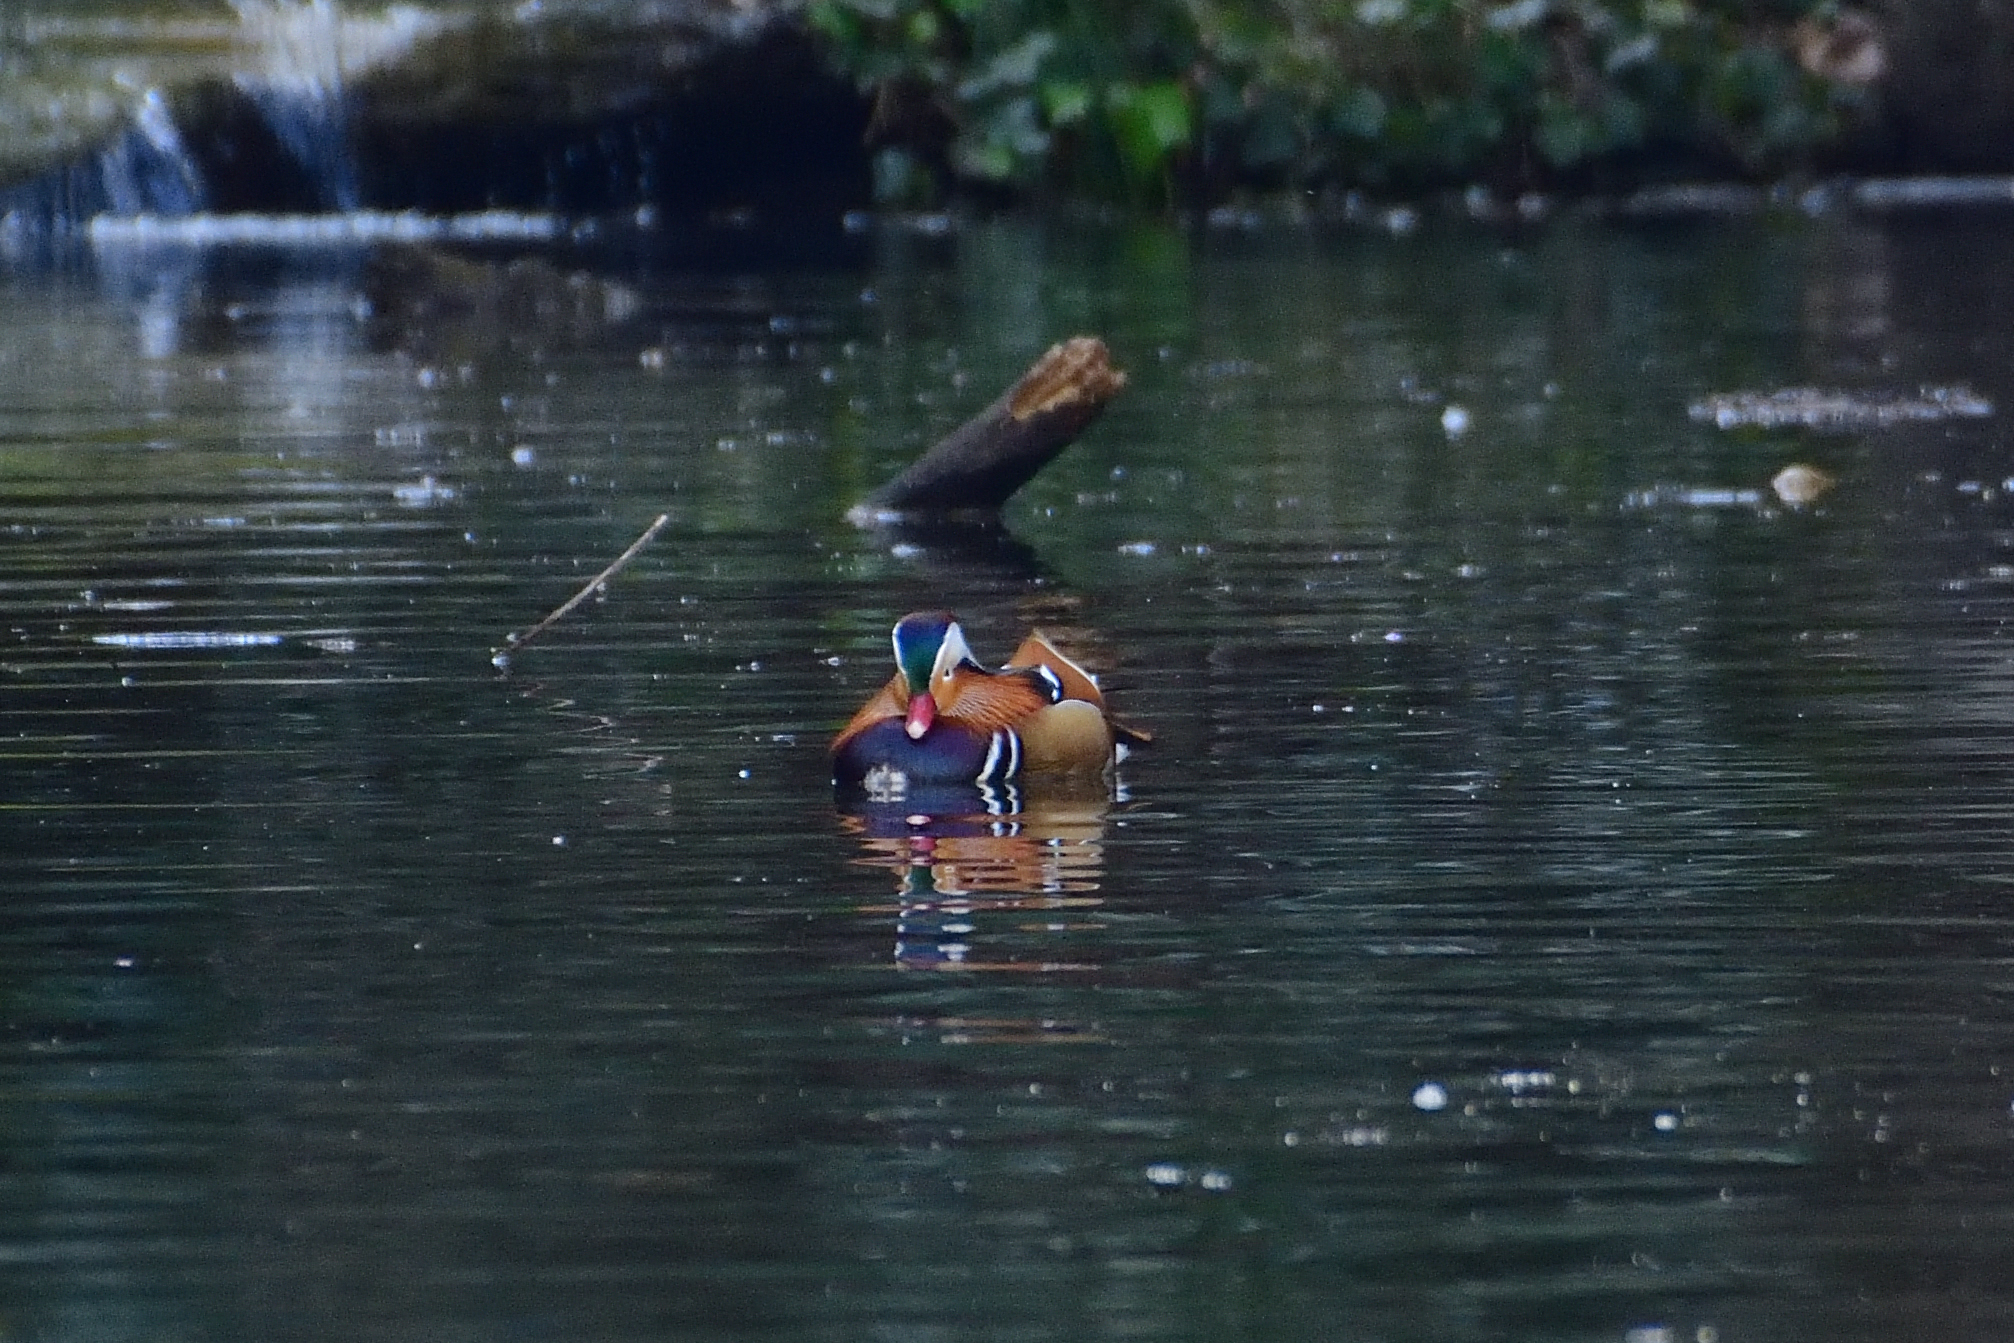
[298,55]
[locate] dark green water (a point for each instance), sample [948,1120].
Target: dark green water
[1567,897]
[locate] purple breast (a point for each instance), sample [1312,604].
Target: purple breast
[948,753]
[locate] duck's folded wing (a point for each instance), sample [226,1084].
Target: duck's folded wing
[990,701]
[1074,681]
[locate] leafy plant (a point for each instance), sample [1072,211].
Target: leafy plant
[1154,99]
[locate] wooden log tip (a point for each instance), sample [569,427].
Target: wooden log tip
[1076,372]
[979,464]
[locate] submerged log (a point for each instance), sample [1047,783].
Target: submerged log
[979,465]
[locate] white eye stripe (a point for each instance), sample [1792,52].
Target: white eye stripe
[952,651]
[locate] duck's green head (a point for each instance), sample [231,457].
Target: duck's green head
[929,646]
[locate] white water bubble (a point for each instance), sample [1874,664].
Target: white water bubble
[1430,1096]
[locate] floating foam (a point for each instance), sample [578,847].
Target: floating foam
[321,230]
[187,639]
[1837,410]
[424,494]
[1902,193]
[1692,496]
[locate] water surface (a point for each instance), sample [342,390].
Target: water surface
[1564,899]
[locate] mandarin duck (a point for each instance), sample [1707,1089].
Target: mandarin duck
[944,719]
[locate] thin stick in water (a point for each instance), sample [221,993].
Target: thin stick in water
[501,656]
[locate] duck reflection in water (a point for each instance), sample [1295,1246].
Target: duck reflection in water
[976,891]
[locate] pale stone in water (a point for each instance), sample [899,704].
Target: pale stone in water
[1799,484]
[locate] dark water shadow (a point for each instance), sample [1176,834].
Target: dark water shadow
[960,552]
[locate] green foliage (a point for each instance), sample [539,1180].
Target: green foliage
[1150,99]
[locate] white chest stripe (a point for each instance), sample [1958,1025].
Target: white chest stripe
[1003,757]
